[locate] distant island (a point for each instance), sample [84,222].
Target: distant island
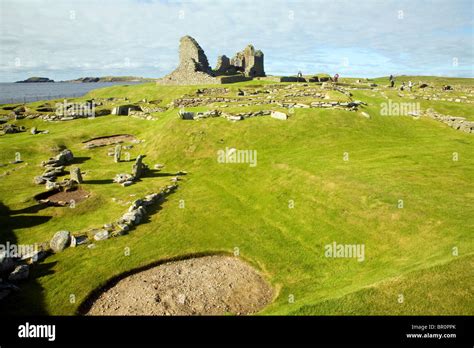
[111,79]
[92,79]
[35,79]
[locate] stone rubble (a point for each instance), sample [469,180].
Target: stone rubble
[458,123]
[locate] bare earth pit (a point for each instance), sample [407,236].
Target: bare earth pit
[210,285]
[62,198]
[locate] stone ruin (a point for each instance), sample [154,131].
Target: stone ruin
[194,68]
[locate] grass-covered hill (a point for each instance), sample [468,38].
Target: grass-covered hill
[408,251]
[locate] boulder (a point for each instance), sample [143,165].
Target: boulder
[64,157]
[279,115]
[60,241]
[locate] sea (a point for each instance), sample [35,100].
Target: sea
[33,91]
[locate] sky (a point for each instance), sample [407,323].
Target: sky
[66,39]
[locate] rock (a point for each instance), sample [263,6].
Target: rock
[60,241]
[122,178]
[11,129]
[121,231]
[101,235]
[34,256]
[138,168]
[76,175]
[123,227]
[235,118]
[117,153]
[21,272]
[279,115]
[39,180]
[73,242]
[184,115]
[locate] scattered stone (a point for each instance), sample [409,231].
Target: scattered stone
[11,129]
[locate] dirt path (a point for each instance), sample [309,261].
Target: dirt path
[210,285]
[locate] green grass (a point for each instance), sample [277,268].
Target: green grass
[236,206]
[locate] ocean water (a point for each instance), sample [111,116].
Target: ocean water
[29,92]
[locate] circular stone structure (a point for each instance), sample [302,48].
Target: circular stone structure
[209,285]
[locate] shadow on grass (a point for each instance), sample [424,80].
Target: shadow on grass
[30,299]
[153,173]
[99,181]
[80,160]
[30,210]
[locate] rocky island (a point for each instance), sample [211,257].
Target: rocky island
[35,79]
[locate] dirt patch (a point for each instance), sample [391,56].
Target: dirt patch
[209,285]
[109,140]
[61,198]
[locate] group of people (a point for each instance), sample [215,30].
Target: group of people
[403,86]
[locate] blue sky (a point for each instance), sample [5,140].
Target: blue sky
[69,39]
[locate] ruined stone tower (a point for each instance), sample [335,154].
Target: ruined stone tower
[194,67]
[192,56]
[249,61]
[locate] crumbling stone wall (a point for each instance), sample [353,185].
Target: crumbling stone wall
[192,56]
[249,61]
[193,66]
